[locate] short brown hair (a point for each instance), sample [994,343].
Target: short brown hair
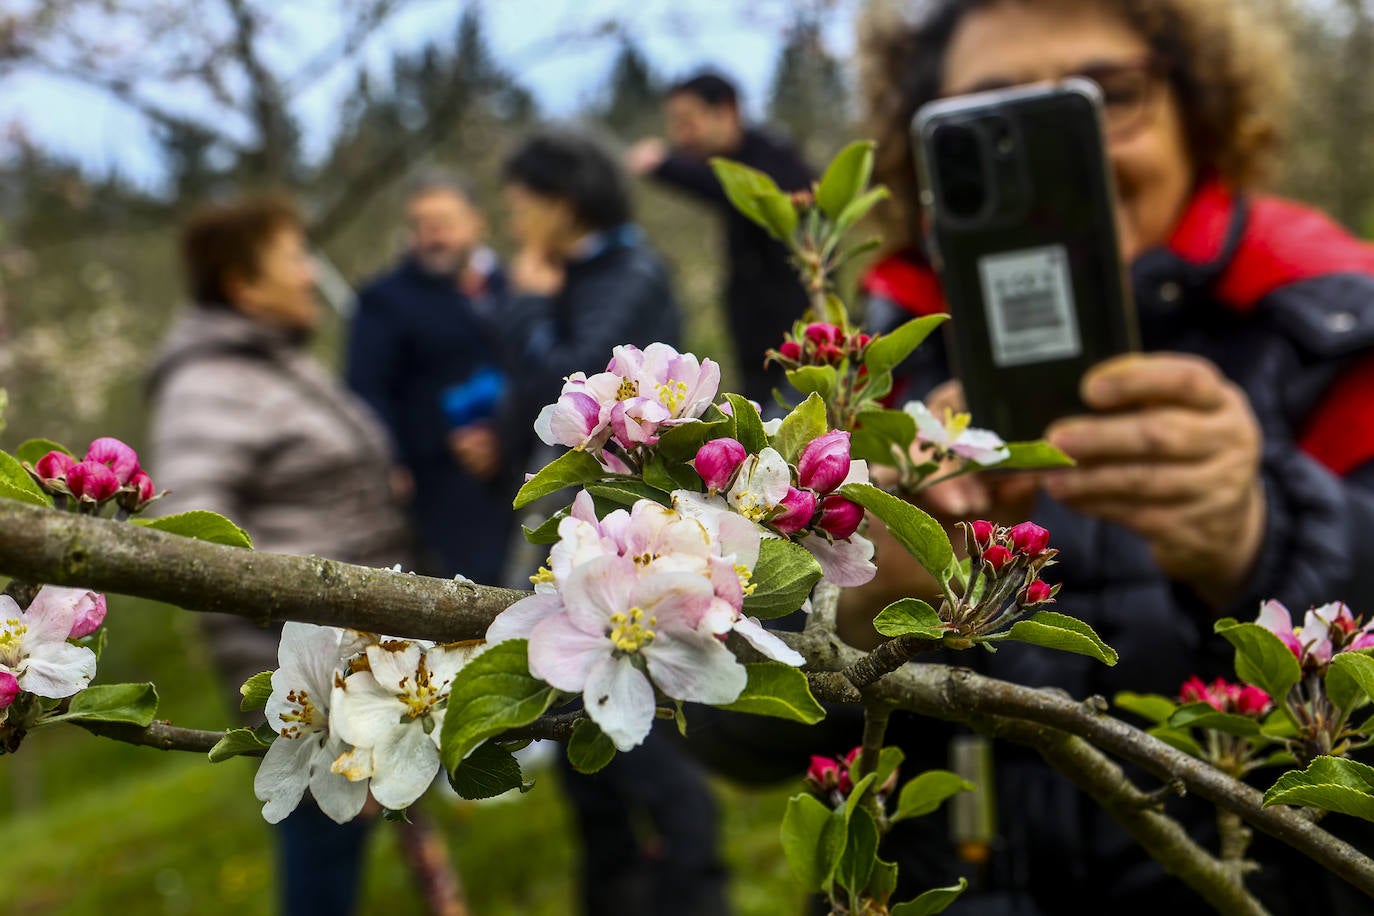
[225,240]
[1227,66]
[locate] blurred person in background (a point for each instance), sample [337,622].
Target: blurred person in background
[247,424]
[423,353]
[762,293]
[1229,463]
[583,282]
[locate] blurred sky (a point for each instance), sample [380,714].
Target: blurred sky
[555,48]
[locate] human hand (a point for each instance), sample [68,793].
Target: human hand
[1174,455]
[476,448]
[534,272]
[645,156]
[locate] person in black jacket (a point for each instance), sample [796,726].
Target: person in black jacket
[582,283]
[1231,462]
[762,294]
[421,338]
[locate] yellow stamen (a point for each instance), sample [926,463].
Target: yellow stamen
[544,575]
[628,389]
[632,630]
[673,395]
[956,423]
[745,574]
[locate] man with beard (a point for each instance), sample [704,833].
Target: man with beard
[423,353]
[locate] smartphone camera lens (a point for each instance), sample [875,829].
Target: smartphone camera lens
[1001,136]
[961,178]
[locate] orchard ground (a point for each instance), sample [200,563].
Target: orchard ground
[94,826]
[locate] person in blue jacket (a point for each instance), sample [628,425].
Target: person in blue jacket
[423,351]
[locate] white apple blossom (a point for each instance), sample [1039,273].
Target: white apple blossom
[34,647]
[953,434]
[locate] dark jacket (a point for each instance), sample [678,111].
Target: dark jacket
[1282,301]
[616,293]
[762,294]
[415,337]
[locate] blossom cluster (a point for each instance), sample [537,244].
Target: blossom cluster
[1325,631]
[640,393]
[1225,696]
[800,503]
[37,655]
[820,344]
[831,779]
[641,599]
[110,471]
[353,713]
[1003,553]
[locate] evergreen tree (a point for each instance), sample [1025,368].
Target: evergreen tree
[633,95]
[809,99]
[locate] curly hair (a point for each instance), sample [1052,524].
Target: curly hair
[1227,65]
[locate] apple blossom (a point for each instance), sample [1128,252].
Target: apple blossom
[34,648]
[1029,539]
[717,461]
[115,455]
[395,710]
[798,506]
[298,710]
[88,607]
[840,517]
[92,481]
[1310,643]
[616,628]
[52,468]
[953,435]
[821,333]
[1224,696]
[1346,632]
[824,463]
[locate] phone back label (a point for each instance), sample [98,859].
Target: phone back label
[1028,298]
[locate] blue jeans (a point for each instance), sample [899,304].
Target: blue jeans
[319,862]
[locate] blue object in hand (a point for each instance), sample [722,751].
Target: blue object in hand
[474,399]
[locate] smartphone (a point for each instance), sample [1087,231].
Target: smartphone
[1021,226]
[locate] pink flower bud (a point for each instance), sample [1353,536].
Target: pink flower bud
[90,614]
[137,493]
[1252,701]
[840,517]
[1194,690]
[824,463]
[995,557]
[983,532]
[1029,538]
[53,467]
[790,349]
[718,460]
[797,508]
[829,354]
[9,689]
[824,775]
[822,334]
[91,481]
[1037,592]
[115,455]
[859,341]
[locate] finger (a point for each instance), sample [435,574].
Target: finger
[1137,484]
[1149,521]
[958,498]
[1165,433]
[1135,380]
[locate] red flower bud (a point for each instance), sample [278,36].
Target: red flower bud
[821,333]
[1251,701]
[9,688]
[137,493]
[53,467]
[858,342]
[91,481]
[829,354]
[823,775]
[1037,592]
[115,455]
[1029,538]
[790,349]
[797,508]
[717,461]
[983,532]
[824,463]
[995,557]
[840,517]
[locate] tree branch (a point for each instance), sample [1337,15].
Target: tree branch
[161,735]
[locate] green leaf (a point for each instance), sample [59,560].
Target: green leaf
[778,690]
[887,351]
[135,704]
[935,900]
[547,531]
[1149,706]
[1332,783]
[860,852]
[883,882]
[748,424]
[1032,455]
[34,449]
[845,178]
[928,792]
[570,469]
[812,841]
[492,693]
[1350,680]
[1177,738]
[1261,658]
[879,432]
[668,476]
[242,742]
[889,759]
[920,534]
[777,209]
[589,749]
[490,770]
[628,492]
[1203,715]
[799,427]
[1060,631]
[909,617]
[682,442]
[782,579]
[819,380]
[744,187]
[200,525]
[255,691]
[17,483]
[858,207]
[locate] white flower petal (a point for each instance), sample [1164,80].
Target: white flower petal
[394,663]
[404,768]
[56,669]
[444,662]
[563,655]
[768,643]
[364,713]
[688,665]
[846,563]
[283,775]
[52,613]
[520,619]
[619,698]
[597,589]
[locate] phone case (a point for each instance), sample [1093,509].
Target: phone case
[1031,270]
